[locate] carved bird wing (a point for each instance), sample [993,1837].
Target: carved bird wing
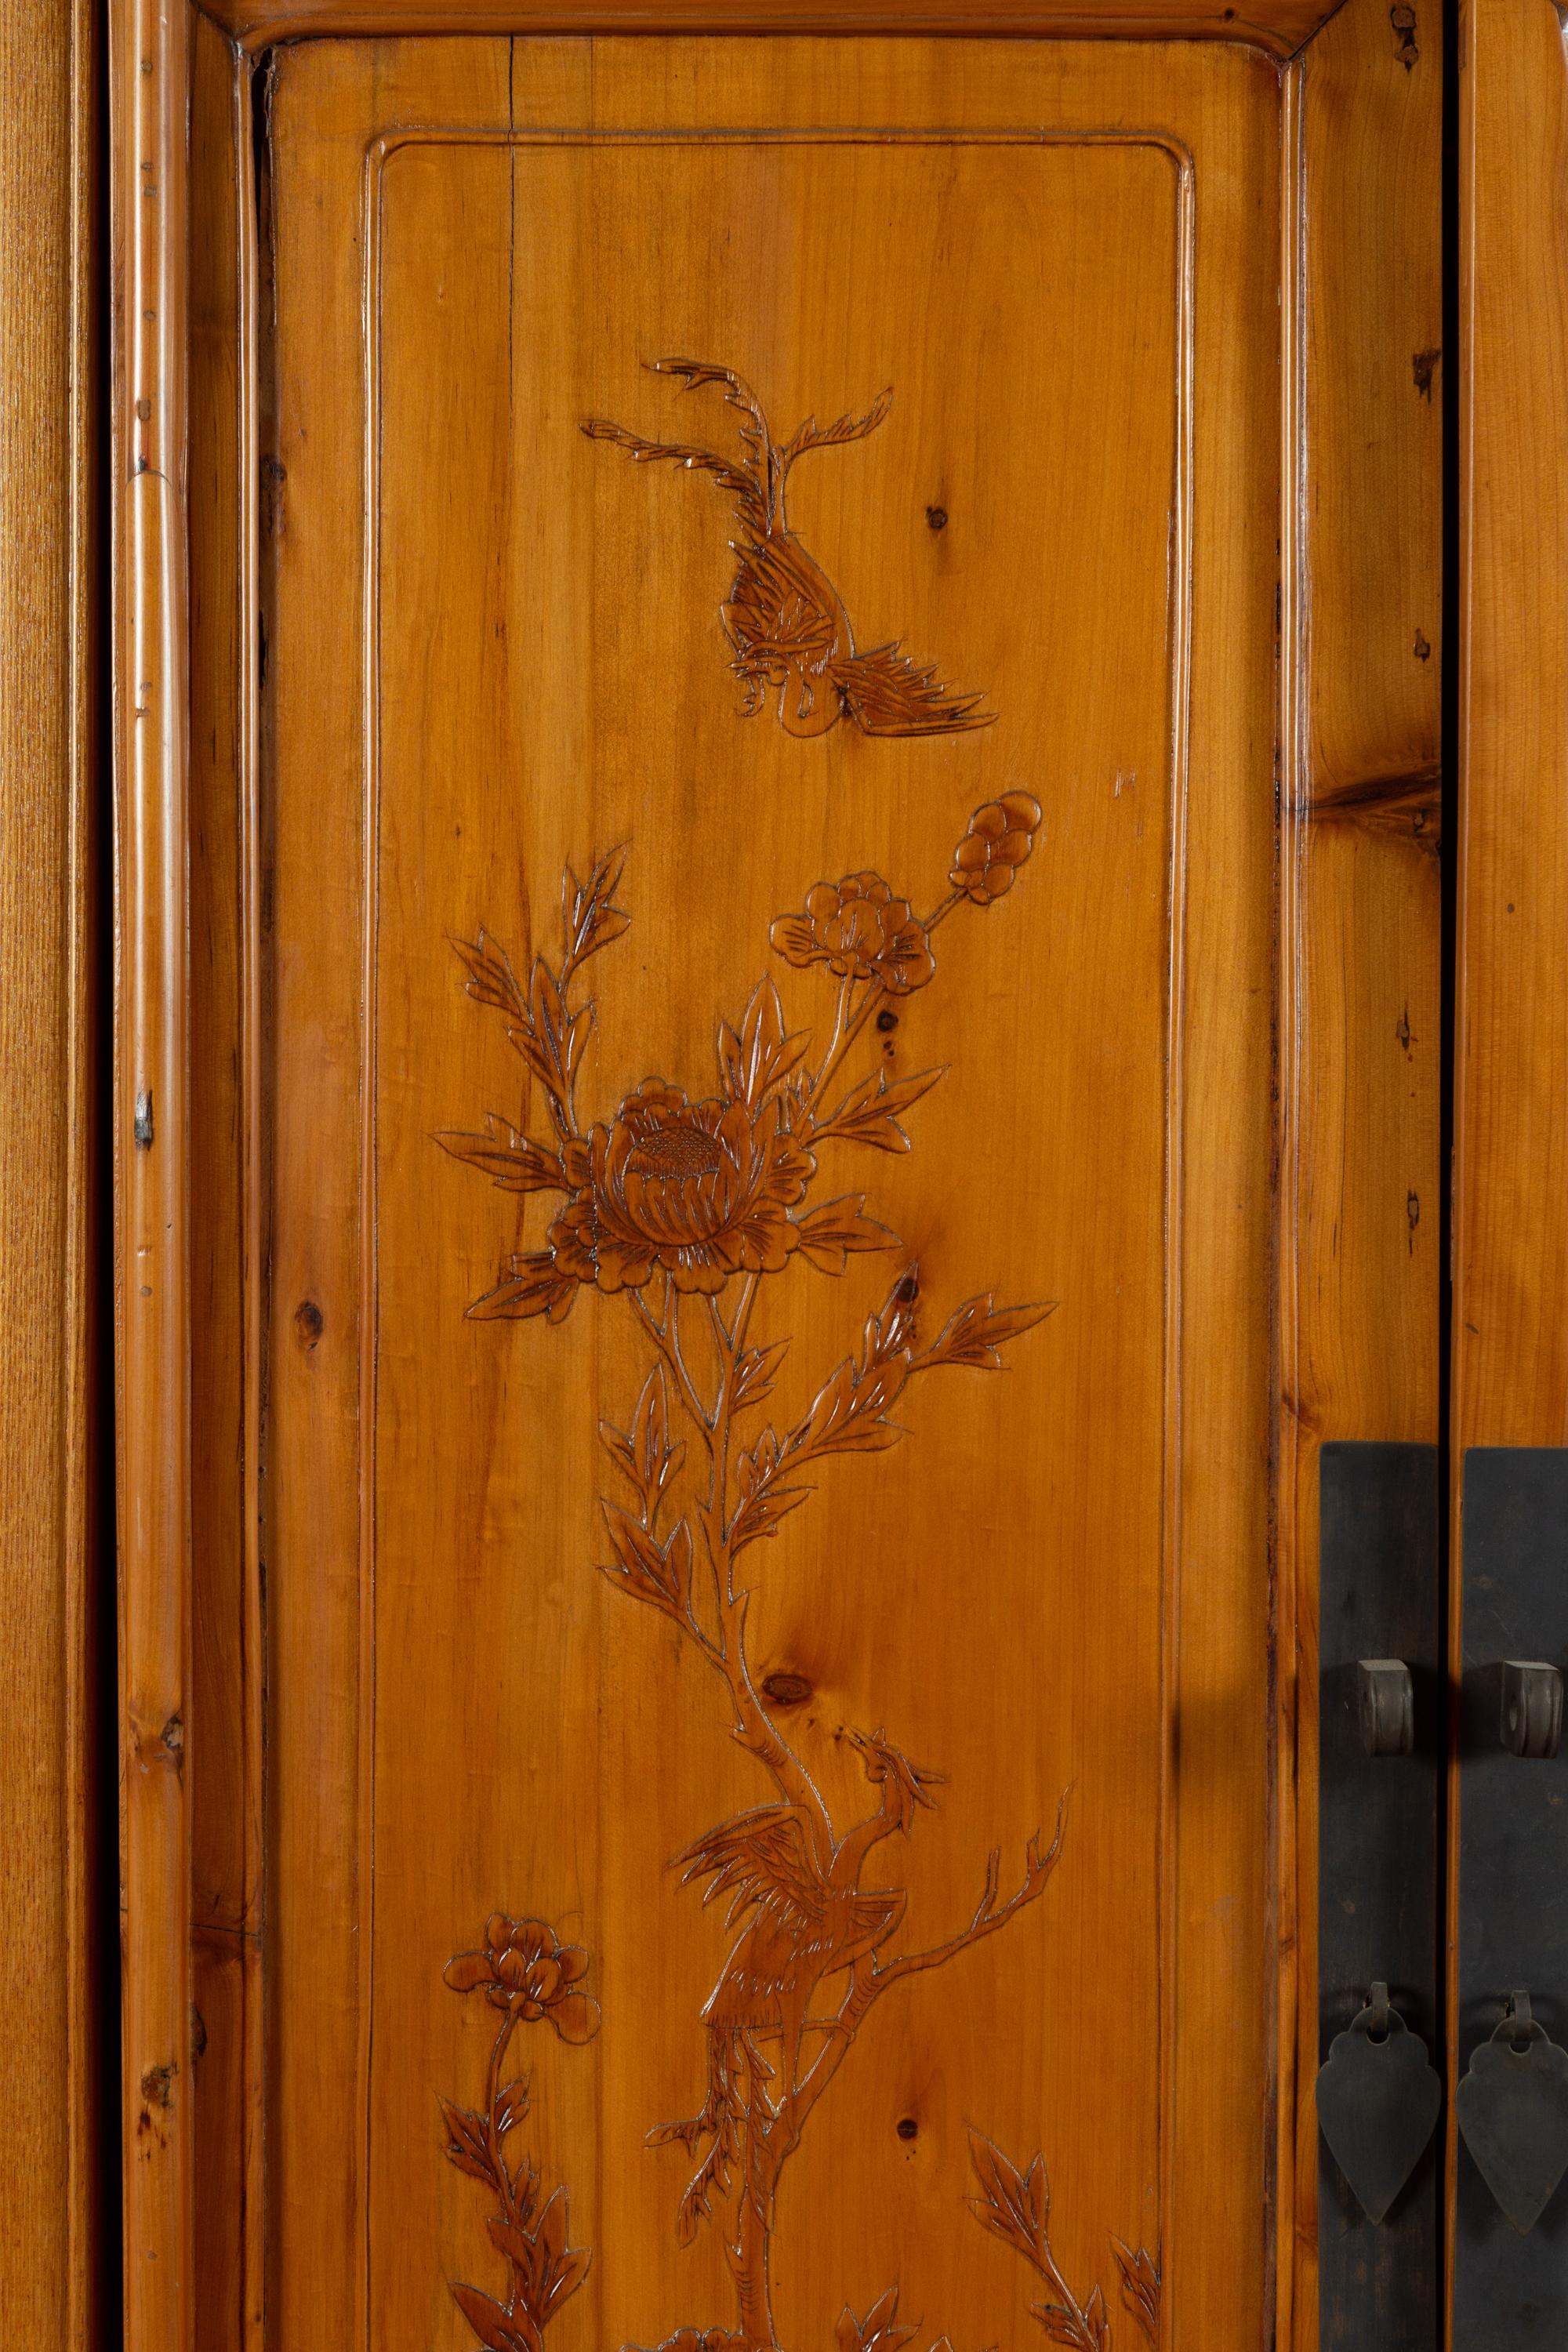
[780,602]
[762,1861]
[888,695]
[873,1918]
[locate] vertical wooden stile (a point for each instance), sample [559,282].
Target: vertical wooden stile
[54,1822]
[1361,893]
[149,65]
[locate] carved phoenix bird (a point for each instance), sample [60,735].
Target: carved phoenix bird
[784,617]
[808,1920]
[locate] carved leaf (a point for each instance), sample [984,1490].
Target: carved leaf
[878,2331]
[561,2269]
[848,1414]
[644,1453]
[975,1332]
[1063,2326]
[660,1573]
[830,1233]
[508,1157]
[529,1283]
[501,2330]
[762,1504]
[589,918]
[754,1372]
[1012,2207]
[870,1113]
[469,2137]
[491,980]
[1140,2286]
[547,1022]
[566,2277]
[511,2104]
[514,2243]
[757,1061]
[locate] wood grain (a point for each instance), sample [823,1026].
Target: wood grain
[461,1716]
[224,1763]
[1280,25]
[1510,1077]
[149,62]
[1511,1242]
[54,1602]
[1361,1034]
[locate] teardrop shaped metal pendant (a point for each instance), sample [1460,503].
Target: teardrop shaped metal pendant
[1512,2107]
[1378,2102]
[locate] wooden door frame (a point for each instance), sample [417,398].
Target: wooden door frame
[56,1602]
[1356,740]
[1510,1315]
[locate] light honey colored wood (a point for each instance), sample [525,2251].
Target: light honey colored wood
[1510,1059]
[149,65]
[514,296]
[1282,27]
[1510,1344]
[56,1804]
[460,1716]
[224,1748]
[1361,1020]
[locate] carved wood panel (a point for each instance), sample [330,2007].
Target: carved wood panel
[806,1056]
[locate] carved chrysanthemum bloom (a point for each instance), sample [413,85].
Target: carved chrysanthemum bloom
[1000,837]
[860,931]
[701,1189]
[527,1970]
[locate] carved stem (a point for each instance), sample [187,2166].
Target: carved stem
[845,1032]
[666,1338]
[753,2286]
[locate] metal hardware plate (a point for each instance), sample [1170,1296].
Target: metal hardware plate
[1377,1862]
[1510,2292]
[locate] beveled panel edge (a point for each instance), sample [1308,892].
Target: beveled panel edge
[1279,26]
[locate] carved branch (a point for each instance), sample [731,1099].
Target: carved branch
[988,1917]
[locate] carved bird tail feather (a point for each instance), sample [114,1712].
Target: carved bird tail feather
[733,2122]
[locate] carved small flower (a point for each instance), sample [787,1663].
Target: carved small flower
[701,1189]
[860,931]
[703,2339]
[527,1970]
[1000,837]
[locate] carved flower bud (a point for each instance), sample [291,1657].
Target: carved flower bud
[1000,837]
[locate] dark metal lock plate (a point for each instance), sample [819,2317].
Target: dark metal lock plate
[1377,1869]
[1378,2100]
[1513,2113]
[1510,2292]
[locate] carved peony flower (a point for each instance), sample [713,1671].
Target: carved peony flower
[860,930]
[525,1970]
[701,1189]
[1000,837]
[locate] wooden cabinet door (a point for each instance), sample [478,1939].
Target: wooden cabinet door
[777,817]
